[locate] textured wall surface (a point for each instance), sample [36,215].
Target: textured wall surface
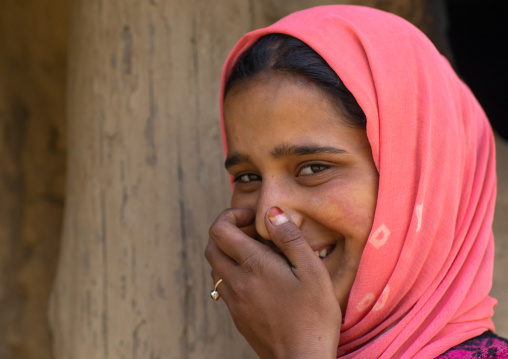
[145,180]
[500,285]
[33,40]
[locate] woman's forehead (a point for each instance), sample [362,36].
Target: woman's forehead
[283,114]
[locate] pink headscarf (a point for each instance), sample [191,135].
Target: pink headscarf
[426,271]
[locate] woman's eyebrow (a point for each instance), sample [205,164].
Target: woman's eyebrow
[286,150]
[236,158]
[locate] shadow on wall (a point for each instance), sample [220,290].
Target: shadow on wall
[477,35]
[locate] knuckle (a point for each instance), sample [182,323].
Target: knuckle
[215,230]
[208,251]
[250,263]
[237,288]
[228,215]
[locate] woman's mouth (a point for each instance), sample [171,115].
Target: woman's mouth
[322,253]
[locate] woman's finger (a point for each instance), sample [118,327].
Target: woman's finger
[219,261]
[223,268]
[239,217]
[289,239]
[227,235]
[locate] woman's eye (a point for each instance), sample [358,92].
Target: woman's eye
[247,177]
[312,169]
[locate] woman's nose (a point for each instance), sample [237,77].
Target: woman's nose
[283,198]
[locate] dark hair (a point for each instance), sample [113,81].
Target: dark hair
[278,52]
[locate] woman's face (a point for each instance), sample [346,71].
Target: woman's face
[289,146]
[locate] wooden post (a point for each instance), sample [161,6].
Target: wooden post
[145,181]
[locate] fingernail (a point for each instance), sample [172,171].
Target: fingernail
[276,216]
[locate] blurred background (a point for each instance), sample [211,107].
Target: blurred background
[111,165]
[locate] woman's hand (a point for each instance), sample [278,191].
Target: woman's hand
[284,305]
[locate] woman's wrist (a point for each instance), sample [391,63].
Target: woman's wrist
[321,348]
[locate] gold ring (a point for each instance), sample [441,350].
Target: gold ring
[214,294]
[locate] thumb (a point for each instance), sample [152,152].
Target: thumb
[289,239]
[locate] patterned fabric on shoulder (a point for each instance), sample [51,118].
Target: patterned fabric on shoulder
[485,346]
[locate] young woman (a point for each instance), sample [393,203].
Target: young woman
[364,185]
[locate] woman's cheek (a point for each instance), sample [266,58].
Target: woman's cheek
[348,212]
[240,201]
